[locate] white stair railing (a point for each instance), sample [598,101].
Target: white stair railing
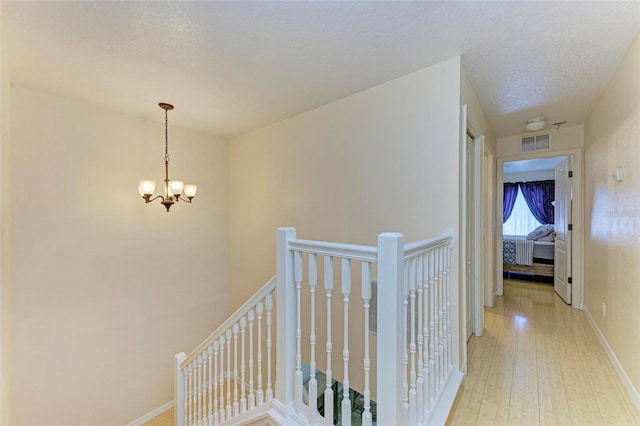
[211,384]
[338,260]
[415,352]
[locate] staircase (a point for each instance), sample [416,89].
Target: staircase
[380,322]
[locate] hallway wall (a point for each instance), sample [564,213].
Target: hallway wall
[612,232]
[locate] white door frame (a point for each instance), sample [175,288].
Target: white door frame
[577,298]
[477,260]
[489,225]
[476,238]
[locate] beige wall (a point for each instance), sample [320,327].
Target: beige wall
[612,240]
[104,286]
[373,162]
[5,229]
[475,112]
[348,171]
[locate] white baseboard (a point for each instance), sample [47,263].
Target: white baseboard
[633,392]
[445,401]
[151,414]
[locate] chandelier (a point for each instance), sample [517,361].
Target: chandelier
[173,189]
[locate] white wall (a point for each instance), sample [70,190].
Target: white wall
[106,288]
[612,212]
[385,159]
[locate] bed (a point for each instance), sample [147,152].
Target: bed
[517,259]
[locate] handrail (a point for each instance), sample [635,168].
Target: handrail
[259,295]
[349,251]
[417,248]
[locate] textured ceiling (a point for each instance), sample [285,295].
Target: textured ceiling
[230,67]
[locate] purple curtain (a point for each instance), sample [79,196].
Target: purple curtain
[539,195]
[510,194]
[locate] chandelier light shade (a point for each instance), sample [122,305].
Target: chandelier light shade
[535,124]
[174,190]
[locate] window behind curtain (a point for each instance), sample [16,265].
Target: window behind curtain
[521,221]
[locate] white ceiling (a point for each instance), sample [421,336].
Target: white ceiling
[230,67]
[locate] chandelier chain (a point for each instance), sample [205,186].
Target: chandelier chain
[166,136]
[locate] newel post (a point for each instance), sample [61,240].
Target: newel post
[390,328]
[285,317]
[178,390]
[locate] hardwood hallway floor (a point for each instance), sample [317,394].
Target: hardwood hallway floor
[540,363]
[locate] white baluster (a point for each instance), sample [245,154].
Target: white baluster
[328,391]
[252,395]
[221,379]
[297,276]
[203,386]
[366,297]
[444,316]
[412,344]
[313,384]
[269,309]
[185,372]
[425,334]
[432,328]
[420,339]
[228,411]
[405,332]
[260,392]
[346,291]
[441,317]
[236,403]
[194,392]
[243,390]
[190,395]
[436,314]
[210,386]
[199,392]
[448,310]
[216,414]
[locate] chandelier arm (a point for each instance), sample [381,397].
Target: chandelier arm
[148,199]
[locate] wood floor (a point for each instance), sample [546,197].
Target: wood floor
[539,362]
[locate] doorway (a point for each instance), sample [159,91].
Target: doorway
[478,266]
[565,168]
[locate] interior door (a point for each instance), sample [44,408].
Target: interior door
[477,253]
[563,214]
[469,278]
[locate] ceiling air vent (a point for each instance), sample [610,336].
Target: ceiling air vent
[536,143]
